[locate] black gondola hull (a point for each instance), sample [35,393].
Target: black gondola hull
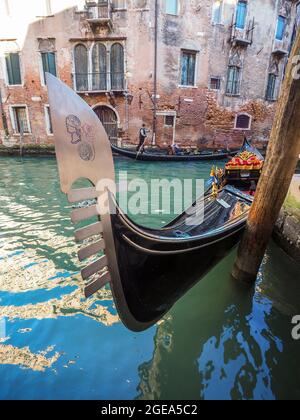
[156,271]
[160,157]
[153,283]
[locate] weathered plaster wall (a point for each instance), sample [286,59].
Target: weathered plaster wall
[205,118]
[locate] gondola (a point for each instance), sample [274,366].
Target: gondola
[245,167]
[148,270]
[150,156]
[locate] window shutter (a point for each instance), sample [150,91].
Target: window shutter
[271,87]
[172,7]
[241,15]
[9,69]
[184,69]
[233,80]
[280,28]
[188,67]
[99,58]
[51,63]
[21,120]
[45,62]
[81,67]
[13,69]
[117,67]
[191,72]
[229,88]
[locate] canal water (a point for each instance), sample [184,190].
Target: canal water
[222,340]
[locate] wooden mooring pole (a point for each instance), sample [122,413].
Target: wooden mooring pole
[282,157]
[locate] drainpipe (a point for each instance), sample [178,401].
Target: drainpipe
[155,72]
[3,116]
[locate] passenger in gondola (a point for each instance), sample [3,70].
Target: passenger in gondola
[176,149]
[170,151]
[142,137]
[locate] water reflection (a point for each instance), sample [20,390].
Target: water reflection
[219,341]
[237,345]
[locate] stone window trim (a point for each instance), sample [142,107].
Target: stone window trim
[5,72]
[13,119]
[241,114]
[108,44]
[49,127]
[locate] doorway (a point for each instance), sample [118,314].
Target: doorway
[109,119]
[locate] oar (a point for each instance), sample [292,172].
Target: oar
[141,148]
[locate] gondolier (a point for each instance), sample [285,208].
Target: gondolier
[142,137]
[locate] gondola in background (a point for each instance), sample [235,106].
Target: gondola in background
[163,156]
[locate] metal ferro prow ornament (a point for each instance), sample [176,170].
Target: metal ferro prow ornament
[83,151]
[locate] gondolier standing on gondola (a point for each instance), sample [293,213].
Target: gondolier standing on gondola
[143,137]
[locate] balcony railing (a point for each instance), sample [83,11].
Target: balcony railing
[242,37]
[281,48]
[99,82]
[99,14]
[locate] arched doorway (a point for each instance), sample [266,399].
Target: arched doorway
[109,119]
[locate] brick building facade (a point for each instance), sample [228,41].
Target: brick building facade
[219,71]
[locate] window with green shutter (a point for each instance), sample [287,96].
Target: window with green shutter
[81,59]
[117,67]
[49,64]
[233,81]
[188,68]
[271,87]
[172,7]
[13,69]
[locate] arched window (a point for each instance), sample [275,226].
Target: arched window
[117,67]
[243,122]
[81,68]
[99,64]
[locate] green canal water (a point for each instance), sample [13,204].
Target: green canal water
[222,340]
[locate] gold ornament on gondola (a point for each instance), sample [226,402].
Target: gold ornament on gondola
[245,160]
